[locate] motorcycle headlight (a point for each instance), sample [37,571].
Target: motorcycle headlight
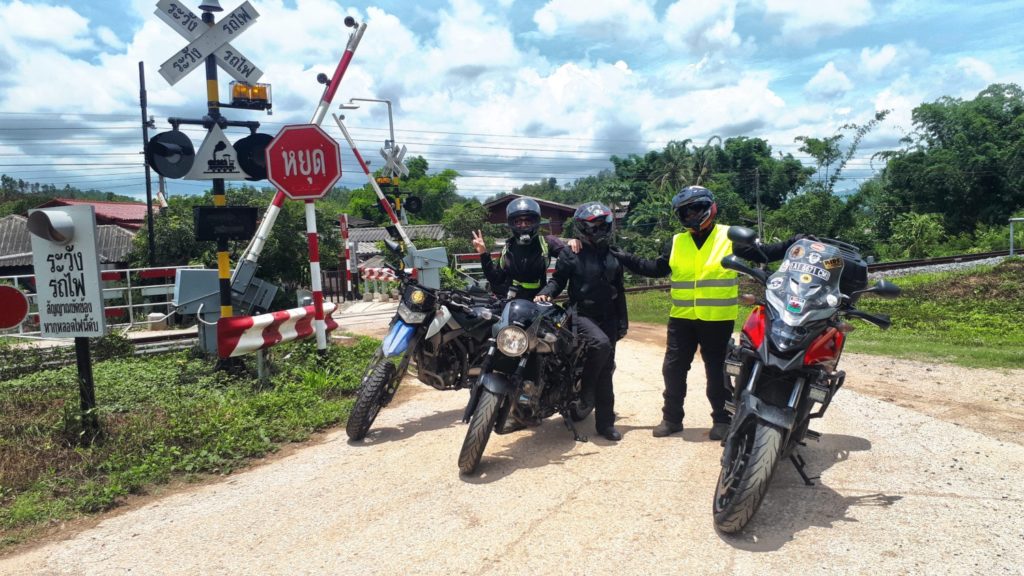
[512,341]
[417,297]
[406,313]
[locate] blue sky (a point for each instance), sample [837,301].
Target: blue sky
[507,91]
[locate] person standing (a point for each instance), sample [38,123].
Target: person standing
[523,264]
[704,306]
[594,280]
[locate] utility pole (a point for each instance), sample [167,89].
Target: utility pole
[757,196]
[146,124]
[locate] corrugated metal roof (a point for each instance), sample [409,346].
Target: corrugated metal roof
[112,242]
[415,232]
[131,214]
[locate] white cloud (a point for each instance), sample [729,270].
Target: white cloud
[829,82]
[701,26]
[42,24]
[597,18]
[889,59]
[975,68]
[107,36]
[804,22]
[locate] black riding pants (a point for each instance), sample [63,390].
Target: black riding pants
[684,336]
[599,366]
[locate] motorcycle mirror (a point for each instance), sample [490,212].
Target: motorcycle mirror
[742,235]
[393,246]
[731,262]
[882,288]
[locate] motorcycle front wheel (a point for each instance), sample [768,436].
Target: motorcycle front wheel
[369,399]
[744,477]
[481,424]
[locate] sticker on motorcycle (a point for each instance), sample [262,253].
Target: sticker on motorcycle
[775,284]
[805,268]
[805,278]
[818,247]
[831,300]
[814,257]
[784,267]
[797,252]
[833,263]
[795,304]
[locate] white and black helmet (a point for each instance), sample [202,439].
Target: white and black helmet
[523,217]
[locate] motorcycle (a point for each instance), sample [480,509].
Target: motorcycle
[783,373]
[532,370]
[443,332]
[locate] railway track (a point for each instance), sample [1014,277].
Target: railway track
[154,344]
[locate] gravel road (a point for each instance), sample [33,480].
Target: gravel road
[912,489]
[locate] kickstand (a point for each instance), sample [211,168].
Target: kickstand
[798,463]
[572,427]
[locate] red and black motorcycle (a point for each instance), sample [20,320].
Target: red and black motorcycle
[783,373]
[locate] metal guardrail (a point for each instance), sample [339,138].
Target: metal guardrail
[132,294]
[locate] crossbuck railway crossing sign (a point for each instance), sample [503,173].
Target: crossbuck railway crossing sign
[393,160]
[206,40]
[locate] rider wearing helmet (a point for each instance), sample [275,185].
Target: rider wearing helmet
[594,279]
[524,260]
[704,305]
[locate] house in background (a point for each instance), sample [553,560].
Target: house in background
[364,241]
[555,214]
[113,243]
[128,215]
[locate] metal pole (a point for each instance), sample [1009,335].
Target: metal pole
[219,199]
[316,280]
[86,391]
[1012,220]
[149,184]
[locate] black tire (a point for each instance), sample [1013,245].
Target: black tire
[369,399]
[480,427]
[743,481]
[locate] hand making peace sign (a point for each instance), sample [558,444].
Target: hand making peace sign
[479,243]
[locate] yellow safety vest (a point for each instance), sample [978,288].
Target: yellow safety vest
[544,255]
[701,288]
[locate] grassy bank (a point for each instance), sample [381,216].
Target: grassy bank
[969,317]
[162,418]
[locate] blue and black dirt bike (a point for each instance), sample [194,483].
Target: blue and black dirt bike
[443,332]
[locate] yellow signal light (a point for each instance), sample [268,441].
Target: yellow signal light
[384,180]
[252,96]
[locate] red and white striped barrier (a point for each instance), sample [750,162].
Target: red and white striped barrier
[346,260]
[240,335]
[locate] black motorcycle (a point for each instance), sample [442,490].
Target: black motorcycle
[444,332]
[783,373]
[532,370]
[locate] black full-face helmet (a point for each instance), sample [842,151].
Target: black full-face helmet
[695,207]
[523,216]
[594,223]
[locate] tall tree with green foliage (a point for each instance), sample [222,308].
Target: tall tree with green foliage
[964,160]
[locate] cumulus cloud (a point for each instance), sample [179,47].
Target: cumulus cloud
[47,25]
[889,59]
[597,18]
[829,82]
[701,26]
[805,22]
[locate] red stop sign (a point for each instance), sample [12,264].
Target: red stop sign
[13,307]
[303,162]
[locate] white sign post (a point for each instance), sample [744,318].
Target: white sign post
[68,288]
[208,40]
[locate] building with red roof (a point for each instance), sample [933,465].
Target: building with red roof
[129,215]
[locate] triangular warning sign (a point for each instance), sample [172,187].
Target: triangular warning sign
[216,158]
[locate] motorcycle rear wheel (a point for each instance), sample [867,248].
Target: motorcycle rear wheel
[369,400]
[480,427]
[744,479]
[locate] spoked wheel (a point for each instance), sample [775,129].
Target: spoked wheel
[744,477]
[370,399]
[480,427]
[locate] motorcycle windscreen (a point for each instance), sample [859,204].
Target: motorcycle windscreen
[806,286]
[397,339]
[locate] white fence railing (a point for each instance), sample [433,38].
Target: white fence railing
[130,295]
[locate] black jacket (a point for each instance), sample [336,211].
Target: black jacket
[594,279]
[521,264]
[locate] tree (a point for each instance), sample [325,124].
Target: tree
[917,235]
[964,160]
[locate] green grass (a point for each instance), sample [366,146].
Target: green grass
[163,418]
[971,317]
